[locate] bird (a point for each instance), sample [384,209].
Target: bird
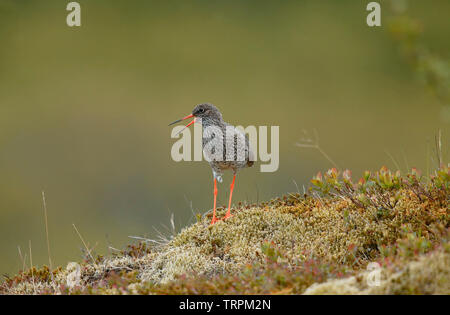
[224,146]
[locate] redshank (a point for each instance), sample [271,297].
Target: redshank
[224,147]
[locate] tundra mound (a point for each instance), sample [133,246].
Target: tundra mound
[320,242]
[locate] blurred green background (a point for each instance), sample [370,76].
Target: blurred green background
[84,111]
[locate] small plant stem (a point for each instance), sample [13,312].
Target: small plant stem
[46,231]
[85,246]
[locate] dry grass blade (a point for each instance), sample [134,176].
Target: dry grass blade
[405,160]
[148,240]
[85,246]
[172,225]
[31,267]
[438,140]
[392,159]
[46,230]
[22,258]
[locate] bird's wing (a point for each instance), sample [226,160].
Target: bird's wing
[242,144]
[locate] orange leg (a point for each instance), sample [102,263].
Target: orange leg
[228,215]
[214,220]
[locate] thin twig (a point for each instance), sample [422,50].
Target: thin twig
[315,145]
[327,156]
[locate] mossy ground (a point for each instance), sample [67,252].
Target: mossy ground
[313,244]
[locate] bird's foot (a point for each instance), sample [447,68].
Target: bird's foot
[214,220]
[227,216]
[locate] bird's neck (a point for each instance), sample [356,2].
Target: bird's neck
[212,122]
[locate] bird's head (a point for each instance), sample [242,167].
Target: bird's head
[208,113]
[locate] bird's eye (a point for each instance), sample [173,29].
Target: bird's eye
[201,110]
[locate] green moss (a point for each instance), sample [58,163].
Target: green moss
[291,245]
[429,274]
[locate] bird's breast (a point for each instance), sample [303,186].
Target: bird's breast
[226,146]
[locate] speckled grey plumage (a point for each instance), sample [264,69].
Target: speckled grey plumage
[224,146]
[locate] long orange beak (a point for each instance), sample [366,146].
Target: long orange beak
[187,117]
